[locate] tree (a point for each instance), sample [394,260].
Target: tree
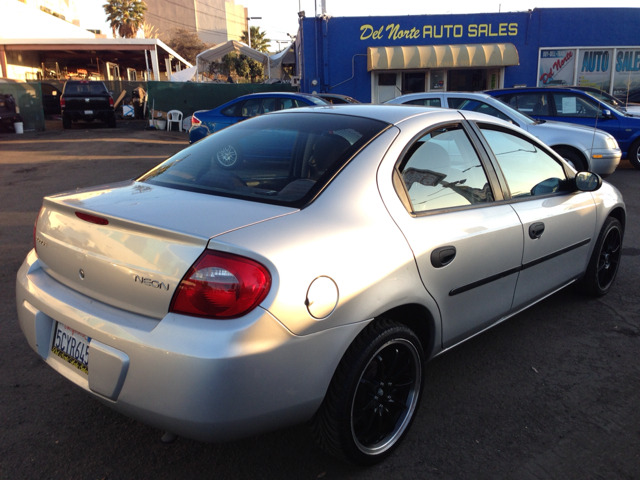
[239,65]
[125,16]
[187,44]
[258,40]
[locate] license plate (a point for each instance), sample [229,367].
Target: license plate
[72,346]
[88,112]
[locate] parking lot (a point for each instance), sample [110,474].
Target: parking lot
[551,394]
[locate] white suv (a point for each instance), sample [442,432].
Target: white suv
[584,148]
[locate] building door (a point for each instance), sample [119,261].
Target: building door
[386,87]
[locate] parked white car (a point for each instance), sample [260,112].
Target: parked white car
[584,148]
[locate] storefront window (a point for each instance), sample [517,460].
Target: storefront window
[414,82]
[556,67]
[613,70]
[626,80]
[594,68]
[467,80]
[437,79]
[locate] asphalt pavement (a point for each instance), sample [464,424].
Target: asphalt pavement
[551,394]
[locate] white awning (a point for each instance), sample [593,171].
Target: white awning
[442,56]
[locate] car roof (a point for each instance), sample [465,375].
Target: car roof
[276,94]
[390,113]
[551,87]
[419,95]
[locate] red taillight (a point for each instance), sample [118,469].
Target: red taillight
[62,102]
[221,285]
[111,102]
[195,121]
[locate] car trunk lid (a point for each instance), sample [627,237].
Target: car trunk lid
[130,245]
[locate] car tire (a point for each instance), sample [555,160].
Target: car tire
[373,396]
[66,122]
[634,154]
[605,259]
[573,158]
[111,123]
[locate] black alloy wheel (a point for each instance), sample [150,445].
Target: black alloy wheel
[374,394]
[605,259]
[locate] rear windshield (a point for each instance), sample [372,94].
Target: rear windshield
[85,88]
[285,159]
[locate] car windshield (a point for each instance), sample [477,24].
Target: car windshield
[284,159]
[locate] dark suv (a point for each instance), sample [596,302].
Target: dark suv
[576,106]
[86,100]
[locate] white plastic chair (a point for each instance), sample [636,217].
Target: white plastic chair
[174,116]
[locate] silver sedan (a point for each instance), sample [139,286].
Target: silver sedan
[303,265]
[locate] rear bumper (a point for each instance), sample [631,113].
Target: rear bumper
[203,379]
[102,115]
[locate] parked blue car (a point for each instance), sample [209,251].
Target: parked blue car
[205,122]
[575,106]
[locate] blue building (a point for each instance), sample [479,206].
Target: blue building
[374,59]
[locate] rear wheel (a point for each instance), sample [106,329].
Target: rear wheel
[605,259]
[634,154]
[373,395]
[573,158]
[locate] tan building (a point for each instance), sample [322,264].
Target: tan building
[215,21]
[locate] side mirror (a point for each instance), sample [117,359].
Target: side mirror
[587,181]
[606,113]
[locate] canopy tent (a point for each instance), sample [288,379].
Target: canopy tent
[215,54]
[286,57]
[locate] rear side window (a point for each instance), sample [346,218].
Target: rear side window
[427,102]
[442,170]
[532,103]
[283,159]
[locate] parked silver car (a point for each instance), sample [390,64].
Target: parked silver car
[304,264]
[584,148]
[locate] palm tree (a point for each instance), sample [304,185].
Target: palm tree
[125,16]
[258,40]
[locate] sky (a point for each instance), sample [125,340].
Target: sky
[279,18]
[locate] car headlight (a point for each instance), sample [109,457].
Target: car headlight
[611,142]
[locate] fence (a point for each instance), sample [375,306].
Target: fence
[39,99]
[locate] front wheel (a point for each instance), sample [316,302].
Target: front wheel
[634,154]
[605,259]
[373,395]
[573,158]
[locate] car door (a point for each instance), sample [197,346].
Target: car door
[558,222]
[467,246]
